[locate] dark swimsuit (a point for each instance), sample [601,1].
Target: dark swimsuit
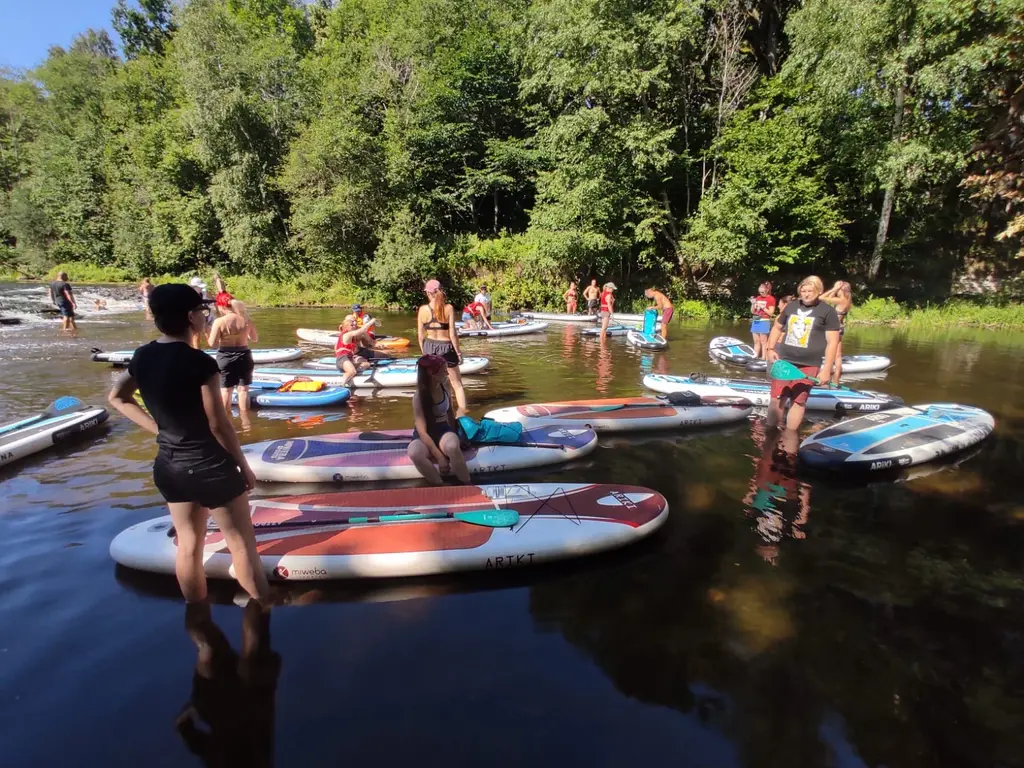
[842,322]
[437,421]
[440,347]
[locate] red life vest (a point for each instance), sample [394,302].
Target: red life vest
[474,309]
[605,306]
[341,348]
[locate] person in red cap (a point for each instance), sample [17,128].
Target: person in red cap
[436,448]
[230,335]
[200,469]
[437,335]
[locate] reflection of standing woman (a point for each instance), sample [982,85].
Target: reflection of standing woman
[840,296]
[437,335]
[762,307]
[805,331]
[570,299]
[200,469]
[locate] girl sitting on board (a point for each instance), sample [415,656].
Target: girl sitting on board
[346,348]
[806,331]
[435,449]
[840,296]
[570,299]
[437,335]
[200,469]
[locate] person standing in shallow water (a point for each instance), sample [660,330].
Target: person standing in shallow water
[570,299]
[664,307]
[607,306]
[437,335]
[200,469]
[63,297]
[230,335]
[592,295]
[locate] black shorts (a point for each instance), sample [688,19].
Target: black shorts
[368,353]
[441,348]
[593,304]
[66,310]
[436,432]
[210,478]
[235,365]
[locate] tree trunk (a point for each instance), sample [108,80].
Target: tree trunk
[890,194]
[495,210]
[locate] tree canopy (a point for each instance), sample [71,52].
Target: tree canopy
[697,144]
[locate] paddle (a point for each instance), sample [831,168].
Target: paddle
[57,407]
[488,518]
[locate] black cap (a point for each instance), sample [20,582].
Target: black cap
[174,299]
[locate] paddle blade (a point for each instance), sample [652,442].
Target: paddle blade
[783,370]
[490,518]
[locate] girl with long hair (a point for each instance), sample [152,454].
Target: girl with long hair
[840,296]
[437,335]
[762,307]
[436,448]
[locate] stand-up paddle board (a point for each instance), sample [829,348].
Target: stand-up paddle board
[358,456]
[898,438]
[851,364]
[265,393]
[630,319]
[326,338]
[399,373]
[503,329]
[560,317]
[65,419]
[727,349]
[259,356]
[416,531]
[758,391]
[622,414]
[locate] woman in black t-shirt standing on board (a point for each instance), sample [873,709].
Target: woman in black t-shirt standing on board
[806,331]
[200,468]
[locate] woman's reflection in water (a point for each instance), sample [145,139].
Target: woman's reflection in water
[604,366]
[229,720]
[779,503]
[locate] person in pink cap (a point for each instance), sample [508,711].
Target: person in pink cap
[437,335]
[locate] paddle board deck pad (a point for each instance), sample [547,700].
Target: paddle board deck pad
[758,391]
[560,317]
[265,393]
[727,349]
[63,421]
[623,414]
[361,456]
[259,356]
[308,538]
[503,329]
[326,338]
[851,364]
[391,375]
[642,340]
[898,438]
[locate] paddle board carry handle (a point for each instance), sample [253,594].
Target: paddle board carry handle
[487,518]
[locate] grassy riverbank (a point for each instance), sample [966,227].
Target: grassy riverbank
[325,291]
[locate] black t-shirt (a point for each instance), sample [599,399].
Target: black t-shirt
[57,288]
[803,339]
[170,377]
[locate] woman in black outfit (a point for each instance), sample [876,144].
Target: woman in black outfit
[200,468]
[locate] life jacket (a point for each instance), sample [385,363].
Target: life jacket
[605,306]
[341,348]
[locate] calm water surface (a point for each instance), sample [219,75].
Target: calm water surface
[852,624]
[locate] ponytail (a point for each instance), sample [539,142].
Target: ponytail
[438,302]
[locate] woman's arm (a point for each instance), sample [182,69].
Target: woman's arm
[832,341]
[483,316]
[251,333]
[770,354]
[220,424]
[453,332]
[213,340]
[419,329]
[420,421]
[121,400]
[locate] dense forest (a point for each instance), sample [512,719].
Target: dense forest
[701,145]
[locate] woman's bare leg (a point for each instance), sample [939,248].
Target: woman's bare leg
[190,527]
[451,448]
[459,390]
[421,459]
[236,526]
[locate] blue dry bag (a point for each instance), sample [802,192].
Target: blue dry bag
[650,322]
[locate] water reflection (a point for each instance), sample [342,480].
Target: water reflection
[778,501]
[229,718]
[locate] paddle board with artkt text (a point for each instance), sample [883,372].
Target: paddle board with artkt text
[622,414]
[898,438]
[309,538]
[839,400]
[364,456]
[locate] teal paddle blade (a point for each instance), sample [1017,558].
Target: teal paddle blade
[491,518]
[783,370]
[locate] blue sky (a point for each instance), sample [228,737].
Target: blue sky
[29,27]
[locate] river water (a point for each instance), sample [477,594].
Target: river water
[858,624]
